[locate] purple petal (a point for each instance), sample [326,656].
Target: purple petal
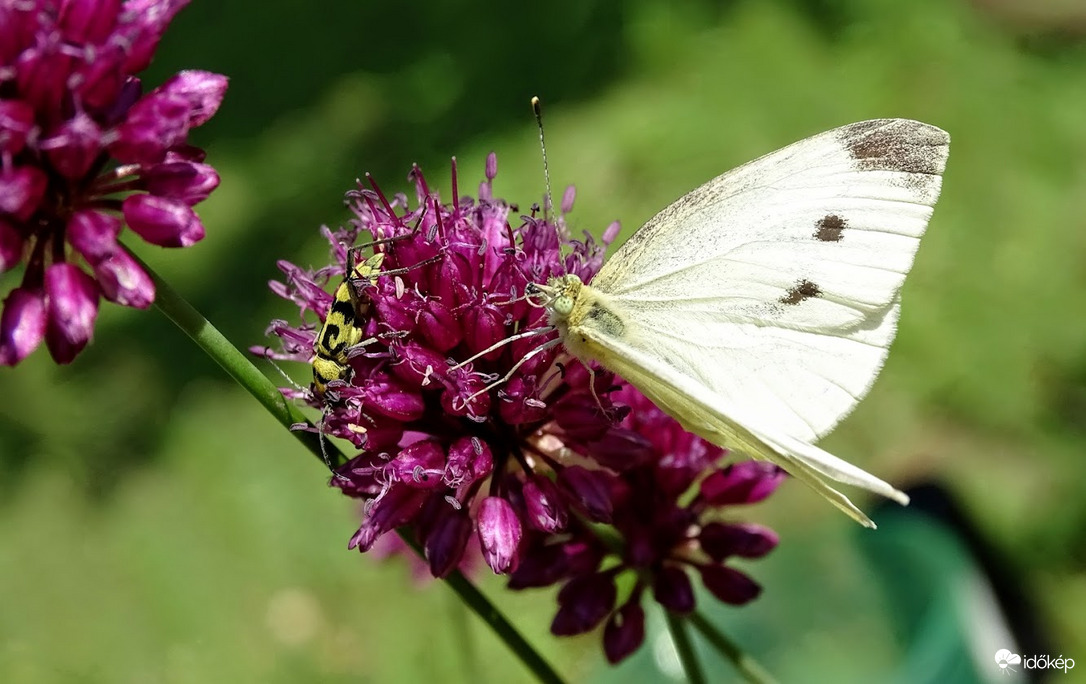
[16,122]
[74,146]
[546,511]
[469,461]
[420,465]
[447,540]
[543,564]
[567,199]
[94,234]
[88,21]
[398,507]
[22,325]
[21,190]
[153,125]
[202,90]
[672,589]
[162,222]
[149,19]
[625,632]
[123,281]
[583,603]
[746,540]
[741,483]
[610,233]
[187,182]
[72,307]
[499,534]
[728,585]
[11,246]
[591,490]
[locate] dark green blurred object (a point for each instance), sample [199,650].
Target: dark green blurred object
[955,600]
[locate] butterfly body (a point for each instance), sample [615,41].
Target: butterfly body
[758,309]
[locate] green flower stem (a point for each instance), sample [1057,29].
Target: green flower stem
[747,666]
[208,338]
[685,648]
[486,610]
[236,364]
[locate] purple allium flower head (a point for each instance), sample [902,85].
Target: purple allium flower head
[81,146]
[467,419]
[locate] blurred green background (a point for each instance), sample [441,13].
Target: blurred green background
[157,526]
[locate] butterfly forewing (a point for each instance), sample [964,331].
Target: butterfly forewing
[776,284]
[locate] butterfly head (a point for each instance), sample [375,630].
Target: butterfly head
[558,295]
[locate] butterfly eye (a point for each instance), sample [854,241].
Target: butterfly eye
[563,306]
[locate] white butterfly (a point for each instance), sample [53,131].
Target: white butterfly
[758,309]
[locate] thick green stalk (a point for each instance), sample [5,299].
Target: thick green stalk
[747,666]
[680,636]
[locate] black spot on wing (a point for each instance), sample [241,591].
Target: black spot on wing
[896,145]
[804,289]
[829,227]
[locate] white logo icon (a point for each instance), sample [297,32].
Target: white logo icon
[1005,659]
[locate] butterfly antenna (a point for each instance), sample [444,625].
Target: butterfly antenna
[537,109]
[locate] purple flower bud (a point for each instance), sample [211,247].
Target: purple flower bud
[149,19]
[22,325]
[389,398]
[41,72]
[543,564]
[94,234]
[16,122]
[202,90]
[157,122]
[72,307]
[419,465]
[728,585]
[590,490]
[440,326]
[124,282]
[545,508]
[741,483]
[102,84]
[162,222]
[520,403]
[744,539]
[672,589]
[470,460]
[88,21]
[499,534]
[580,417]
[567,199]
[11,246]
[187,182]
[398,507]
[625,631]
[21,189]
[483,327]
[74,146]
[491,166]
[446,541]
[417,363]
[610,233]
[583,603]
[620,449]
